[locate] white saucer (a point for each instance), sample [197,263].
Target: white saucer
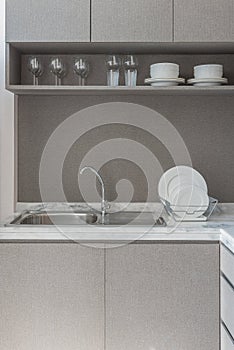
[164,81]
[207,82]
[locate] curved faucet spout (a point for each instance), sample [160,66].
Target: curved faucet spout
[103,202]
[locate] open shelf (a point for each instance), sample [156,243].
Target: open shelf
[119,90]
[19,79]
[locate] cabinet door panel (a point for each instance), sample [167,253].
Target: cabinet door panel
[227,263]
[207,21]
[57,20]
[162,296]
[227,305]
[131,21]
[51,297]
[227,343]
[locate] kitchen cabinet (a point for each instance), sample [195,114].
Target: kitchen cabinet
[227,305]
[162,296]
[48,21]
[227,298]
[51,297]
[119,21]
[227,263]
[135,296]
[227,343]
[203,21]
[132,21]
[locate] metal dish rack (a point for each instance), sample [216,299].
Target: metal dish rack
[189,210]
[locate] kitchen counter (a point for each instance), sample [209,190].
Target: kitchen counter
[220,227]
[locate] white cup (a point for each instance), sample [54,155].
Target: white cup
[208,71]
[164,70]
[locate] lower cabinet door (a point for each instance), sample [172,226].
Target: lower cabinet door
[227,263]
[162,297]
[227,343]
[227,305]
[51,297]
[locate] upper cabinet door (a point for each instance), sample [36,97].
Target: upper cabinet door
[43,20]
[132,20]
[204,20]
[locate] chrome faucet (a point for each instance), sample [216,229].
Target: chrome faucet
[104,204]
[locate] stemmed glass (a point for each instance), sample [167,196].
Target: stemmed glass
[35,67]
[113,64]
[81,68]
[58,68]
[130,66]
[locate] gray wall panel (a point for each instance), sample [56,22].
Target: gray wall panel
[205,123]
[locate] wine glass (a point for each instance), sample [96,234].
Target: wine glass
[35,67]
[81,68]
[113,64]
[58,68]
[130,66]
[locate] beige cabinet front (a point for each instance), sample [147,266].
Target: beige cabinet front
[132,21]
[48,21]
[162,296]
[227,305]
[136,296]
[51,297]
[227,263]
[203,20]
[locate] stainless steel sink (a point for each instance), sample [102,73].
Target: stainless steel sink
[55,218]
[85,218]
[133,218]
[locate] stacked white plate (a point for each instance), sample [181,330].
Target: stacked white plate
[208,75]
[164,74]
[185,190]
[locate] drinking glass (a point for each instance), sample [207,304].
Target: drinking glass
[81,68]
[58,68]
[130,70]
[113,64]
[35,67]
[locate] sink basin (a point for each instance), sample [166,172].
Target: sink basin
[58,218]
[86,218]
[133,218]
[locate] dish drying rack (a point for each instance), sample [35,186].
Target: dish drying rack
[190,210]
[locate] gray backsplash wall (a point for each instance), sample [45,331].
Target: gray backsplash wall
[206,124]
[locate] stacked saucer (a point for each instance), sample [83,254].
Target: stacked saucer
[208,75]
[164,74]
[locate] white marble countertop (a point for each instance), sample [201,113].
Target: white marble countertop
[220,227]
